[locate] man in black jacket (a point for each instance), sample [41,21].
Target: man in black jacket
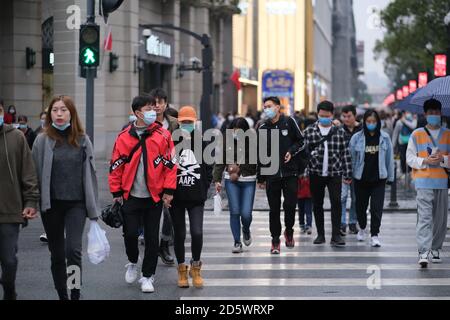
[289,143]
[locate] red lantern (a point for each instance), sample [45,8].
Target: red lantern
[399,94]
[412,86]
[423,79]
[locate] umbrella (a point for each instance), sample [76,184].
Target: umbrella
[405,104]
[438,89]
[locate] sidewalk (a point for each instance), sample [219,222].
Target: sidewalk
[405,198]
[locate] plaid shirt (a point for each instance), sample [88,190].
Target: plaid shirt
[339,158]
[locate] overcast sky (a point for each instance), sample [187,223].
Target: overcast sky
[367,31]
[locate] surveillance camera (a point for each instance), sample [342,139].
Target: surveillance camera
[146,33]
[194,60]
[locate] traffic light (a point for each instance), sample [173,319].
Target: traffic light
[89,45]
[113,62]
[109,6]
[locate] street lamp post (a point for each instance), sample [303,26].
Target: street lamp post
[447,23]
[90,75]
[207,65]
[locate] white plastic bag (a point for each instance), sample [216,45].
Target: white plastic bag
[98,246]
[217,204]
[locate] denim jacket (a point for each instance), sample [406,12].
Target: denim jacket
[386,155]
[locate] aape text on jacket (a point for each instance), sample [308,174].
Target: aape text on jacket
[156,146]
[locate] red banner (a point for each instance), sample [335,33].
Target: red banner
[423,79]
[412,86]
[440,65]
[405,91]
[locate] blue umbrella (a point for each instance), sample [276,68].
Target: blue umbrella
[438,89]
[405,104]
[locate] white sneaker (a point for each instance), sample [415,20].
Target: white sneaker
[237,248]
[424,260]
[375,242]
[435,256]
[132,273]
[361,236]
[147,284]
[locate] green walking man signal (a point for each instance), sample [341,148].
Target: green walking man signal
[89,45]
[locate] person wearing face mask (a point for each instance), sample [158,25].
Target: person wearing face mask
[373,167]
[19,197]
[240,185]
[143,176]
[329,167]
[228,119]
[428,154]
[193,181]
[65,164]
[400,138]
[289,143]
[163,111]
[42,123]
[11,116]
[26,130]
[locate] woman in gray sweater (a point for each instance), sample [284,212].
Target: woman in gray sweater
[65,165]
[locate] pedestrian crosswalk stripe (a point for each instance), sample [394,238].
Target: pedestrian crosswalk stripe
[303,254]
[210,244]
[314,266]
[311,298]
[322,282]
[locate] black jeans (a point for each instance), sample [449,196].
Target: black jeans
[375,193]
[134,210]
[195,212]
[9,236]
[64,224]
[334,185]
[289,186]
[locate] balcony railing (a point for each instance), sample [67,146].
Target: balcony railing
[217,7]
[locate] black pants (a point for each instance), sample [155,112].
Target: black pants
[134,210]
[402,148]
[334,185]
[178,213]
[9,236]
[375,193]
[289,186]
[64,225]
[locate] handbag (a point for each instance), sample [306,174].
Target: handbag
[112,215]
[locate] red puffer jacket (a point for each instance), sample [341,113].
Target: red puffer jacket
[157,147]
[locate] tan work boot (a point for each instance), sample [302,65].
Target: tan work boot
[183,281]
[195,273]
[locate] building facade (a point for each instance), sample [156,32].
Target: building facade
[274,45]
[146,60]
[345,61]
[321,83]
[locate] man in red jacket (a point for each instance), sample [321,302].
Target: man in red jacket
[143,177]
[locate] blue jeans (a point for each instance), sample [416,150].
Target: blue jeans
[241,196]
[305,209]
[345,190]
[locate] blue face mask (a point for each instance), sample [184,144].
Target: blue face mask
[371,126]
[23,126]
[62,127]
[270,113]
[1,120]
[189,127]
[149,117]
[325,121]
[434,121]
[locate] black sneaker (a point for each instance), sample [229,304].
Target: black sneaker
[289,236]
[343,230]
[308,231]
[337,241]
[319,240]
[352,228]
[247,239]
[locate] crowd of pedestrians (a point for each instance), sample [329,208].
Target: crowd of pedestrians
[157,174]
